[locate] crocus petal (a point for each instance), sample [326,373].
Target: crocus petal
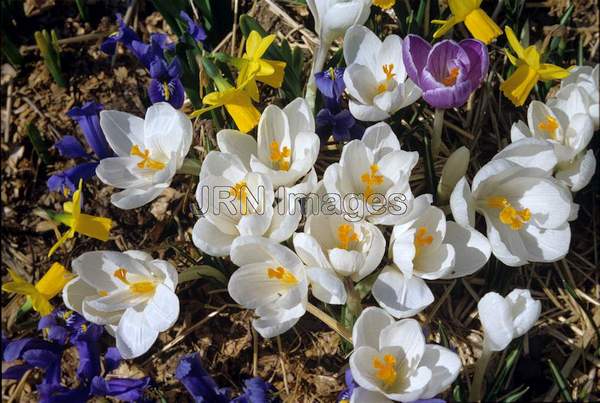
[70,147]
[496,319]
[445,367]
[400,296]
[368,326]
[415,51]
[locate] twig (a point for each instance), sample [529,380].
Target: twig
[285,382]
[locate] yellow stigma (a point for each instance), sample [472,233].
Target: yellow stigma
[67,314]
[388,69]
[102,293]
[146,161]
[384,4]
[121,274]
[450,79]
[283,275]
[422,239]
[166,91]
[371,178]
[549,126]
[84,327]
[332,73]
[142,287]
[346,235]
[240,192]
[386,370]
[280,157]
[508,214]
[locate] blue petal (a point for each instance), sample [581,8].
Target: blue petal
[70,147]
[124,389]
[112,359]
[89,122]
[197,381]
[195,30]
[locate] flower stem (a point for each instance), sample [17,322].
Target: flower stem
[436,137]
[429,168]
[317,66]
[480,367]
[353,298]
[329,321]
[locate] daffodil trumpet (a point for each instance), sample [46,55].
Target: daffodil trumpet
[479,24]
[91,226]
[529,70]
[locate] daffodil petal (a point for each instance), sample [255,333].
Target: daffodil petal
[54,280]
[552,72]
[94,227]
[443,30]
[514,42]
[481,26]
[518,86]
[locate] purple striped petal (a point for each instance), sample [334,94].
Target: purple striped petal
[479,60]
[415,51]
[449,97]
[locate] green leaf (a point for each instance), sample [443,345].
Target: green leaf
[560,381]
[39,145]
[10,51]
[364,286]
[82,8]
[458,394]
[48,46]
[516,394]
[202,271]
[510,361]
[170,9]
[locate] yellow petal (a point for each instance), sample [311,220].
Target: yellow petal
[76,204]
[246,117]
[41,304]
[252,43]
[69,234]
[552,72]
[518,86]
[514,42]
[54,280]
[275,79]
[18,285]
[443,30]
[94,227]
[512,58]
[263,46]
[481,26]
[532,57]
[460,8]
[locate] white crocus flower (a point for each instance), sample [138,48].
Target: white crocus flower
[427,248]
[393,359]
[455,168]
[503,320]
[149,152]
[371,178]
[332,19]
[336,249]
[580,93]
[237,202]
[130,293]
[271,280]
[570,136]
[375,78]
[286,147]
[525,209]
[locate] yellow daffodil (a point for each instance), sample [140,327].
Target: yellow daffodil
[529,70]
[237,102]
[254,68]
[384,4]
[479,24]
[50,285]
[92,226]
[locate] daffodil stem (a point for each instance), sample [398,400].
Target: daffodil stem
[478,377]
[317,66]
[436,137]
[190,167]
[26,307]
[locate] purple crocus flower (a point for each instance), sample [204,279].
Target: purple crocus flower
[89,121]
[125,389]
[125,35]
[342,125]
[198,382]
[346,394]
[331,84]
[166,84]
[257,390]
[448,72]
[195,30]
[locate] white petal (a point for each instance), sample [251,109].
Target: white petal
[407,335]
[284,221]
[525,310]
[445,367]
[122,130]
[361,46]
[380,138]
[345,262]
[374,253]
[496,318]
[162,308]
[546,245]
[117,172]
[134,336]
[165,270]
[272,127]
[578,174]
[414,387]
[237,143]
[362,395]
[399,296]
[367,112]
[462,203]
[209,239]
[530,153]
[455,168]
[74,292]
[368,326]
[326,286]
[472,249]
[363,372]
[519,131]
[136,197]
[361,84]
[299,116]
[309,250]
[167,130]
